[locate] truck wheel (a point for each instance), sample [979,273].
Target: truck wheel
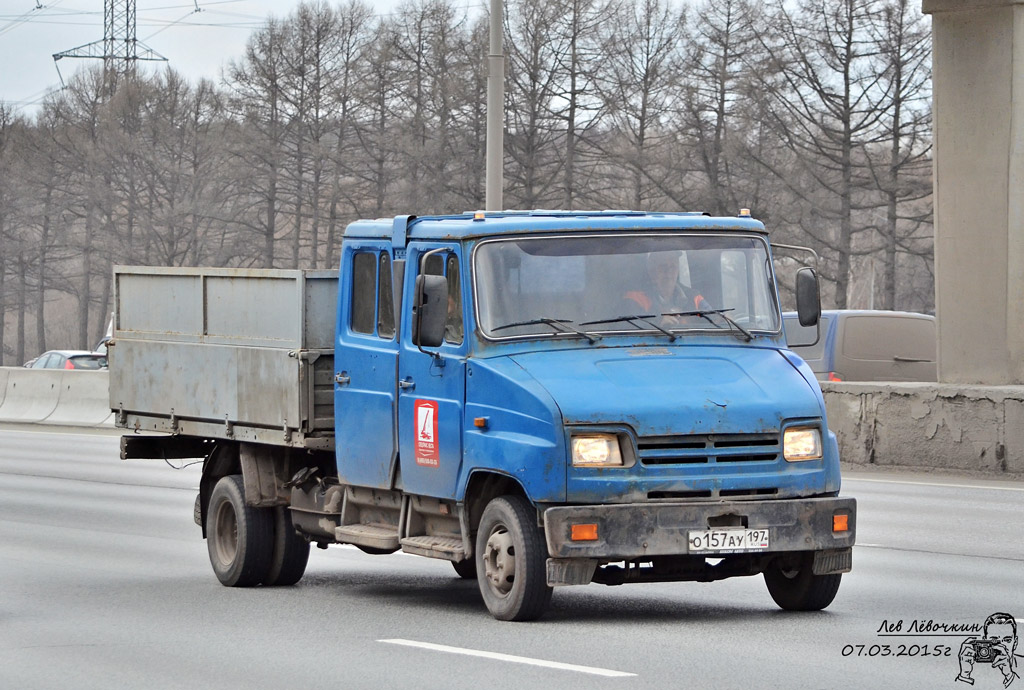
[240,538]
[466,569]
[795,587]
[511,560]
[290,553]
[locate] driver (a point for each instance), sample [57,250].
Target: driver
[663,292]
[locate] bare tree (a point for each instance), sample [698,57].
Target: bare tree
[902,173]
[825,109]
[638,84]
[535,57]
[724,47]
[354,36]
[255,85]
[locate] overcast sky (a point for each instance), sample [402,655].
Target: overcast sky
[195,43]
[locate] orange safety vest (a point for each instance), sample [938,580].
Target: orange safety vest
[645,302]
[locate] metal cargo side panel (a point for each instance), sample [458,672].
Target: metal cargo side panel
[260,310]
[255,307]
[321,310]
[168,304]
[323,394]
[218,383]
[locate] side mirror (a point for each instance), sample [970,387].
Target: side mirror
[808,297]
[430,310]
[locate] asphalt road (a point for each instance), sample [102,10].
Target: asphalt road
[105,583]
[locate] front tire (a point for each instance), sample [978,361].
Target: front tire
[794,586]
[511,560]
[239,538]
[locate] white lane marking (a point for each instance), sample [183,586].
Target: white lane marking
[510,658]
[939,484]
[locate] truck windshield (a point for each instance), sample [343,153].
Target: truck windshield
[666,284]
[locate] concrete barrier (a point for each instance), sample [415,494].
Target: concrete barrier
[929,425]
[3,384]
[31,395]
[54,396]
[83,401]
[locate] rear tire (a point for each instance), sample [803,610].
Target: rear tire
[511,560]
[795,587]
[290,553]
[239,538]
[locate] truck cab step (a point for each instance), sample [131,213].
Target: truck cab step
[375,536]
[450,548]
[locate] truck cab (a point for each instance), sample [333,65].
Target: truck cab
[536,356]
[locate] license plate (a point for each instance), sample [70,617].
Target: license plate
[728,540]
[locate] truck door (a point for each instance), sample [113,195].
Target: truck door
[432,384]
[365,362]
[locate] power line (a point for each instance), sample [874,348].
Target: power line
[26,17]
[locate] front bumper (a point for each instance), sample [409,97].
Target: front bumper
[637,530]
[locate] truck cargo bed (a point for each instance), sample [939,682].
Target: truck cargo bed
[244,354]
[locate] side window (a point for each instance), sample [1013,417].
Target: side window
[434,265]
[453,323]
[364,292]
[386,312]
[447,264]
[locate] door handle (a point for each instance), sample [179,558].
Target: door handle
[407,384]
[342,379]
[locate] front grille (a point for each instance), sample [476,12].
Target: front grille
[655,495]
[700,449]
[747,492]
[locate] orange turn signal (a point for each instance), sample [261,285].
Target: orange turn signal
[480,422]
[840,523]
[584,532]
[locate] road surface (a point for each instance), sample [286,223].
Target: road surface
[105,583]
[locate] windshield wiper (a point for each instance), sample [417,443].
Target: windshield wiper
[563,324]
[703,313]
[632,319]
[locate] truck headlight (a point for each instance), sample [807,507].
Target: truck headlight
[596,450]
[801,444]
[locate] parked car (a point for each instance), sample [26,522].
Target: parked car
[867,345]
[68,359]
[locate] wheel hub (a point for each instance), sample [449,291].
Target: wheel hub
[500,561]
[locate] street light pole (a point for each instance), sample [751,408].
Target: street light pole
[495,111]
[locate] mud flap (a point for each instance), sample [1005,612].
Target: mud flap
[832,562]
[570,571]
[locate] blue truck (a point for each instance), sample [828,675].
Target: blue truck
[542,398]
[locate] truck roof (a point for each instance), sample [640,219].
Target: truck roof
[475,224]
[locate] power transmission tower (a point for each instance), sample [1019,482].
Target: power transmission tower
[119,49]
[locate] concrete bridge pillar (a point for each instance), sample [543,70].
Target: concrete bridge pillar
[979,189]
